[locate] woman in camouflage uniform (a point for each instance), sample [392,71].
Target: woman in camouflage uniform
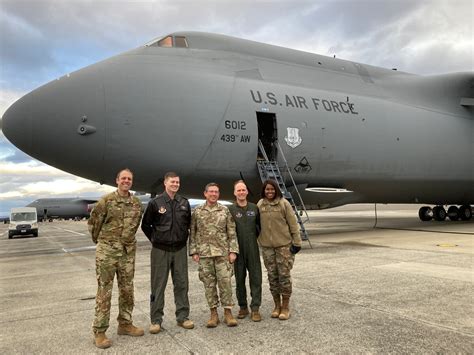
[279,240]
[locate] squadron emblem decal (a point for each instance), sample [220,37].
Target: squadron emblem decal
[293,138]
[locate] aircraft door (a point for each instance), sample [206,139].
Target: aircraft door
[267,135]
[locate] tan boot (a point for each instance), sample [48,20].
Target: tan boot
[130,329]
[214,320]
[243,312]
[229,318]
[277,309]
[186,324]
[101,341]
[154,328]
[255,316]
[285,308]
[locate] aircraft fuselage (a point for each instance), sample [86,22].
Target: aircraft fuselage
[387,136]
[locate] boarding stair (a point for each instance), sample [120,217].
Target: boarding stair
[269,169]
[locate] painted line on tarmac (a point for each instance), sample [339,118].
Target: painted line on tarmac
[70,231]
[72,250]
[423,230]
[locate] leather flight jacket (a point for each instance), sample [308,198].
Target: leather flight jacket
[166,222]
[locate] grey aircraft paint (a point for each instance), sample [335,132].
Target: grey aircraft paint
[50,208]
[351,133]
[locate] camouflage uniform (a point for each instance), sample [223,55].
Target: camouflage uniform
[112,225]
[279,230]
[279,262]
[213,238]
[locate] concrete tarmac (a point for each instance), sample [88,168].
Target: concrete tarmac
[403,287]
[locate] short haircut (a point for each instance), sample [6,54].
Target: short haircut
[240,182]
[275,186]
[126,169]
[170,174]
[210,185]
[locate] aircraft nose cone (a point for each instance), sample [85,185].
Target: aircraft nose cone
[16,124]
[62,123]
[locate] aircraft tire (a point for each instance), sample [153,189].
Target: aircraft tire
[453,213]
[465,212]
[439,213]
[425,213]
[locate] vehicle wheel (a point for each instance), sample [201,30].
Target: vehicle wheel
[10,235]
[465,212]
[35,234]
[453,213]
[425,213]
[439,213]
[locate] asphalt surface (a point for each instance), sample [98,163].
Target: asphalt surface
[403,287]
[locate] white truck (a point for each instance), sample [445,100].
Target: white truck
[23,221]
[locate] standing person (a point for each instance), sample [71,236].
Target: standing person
[247,221]
[279,240]
[112,225]
[213,245]
[166,224]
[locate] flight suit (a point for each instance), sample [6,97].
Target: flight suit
[247,221]
[112,225]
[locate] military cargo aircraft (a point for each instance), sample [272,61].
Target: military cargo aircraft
[212,106]
[64,208]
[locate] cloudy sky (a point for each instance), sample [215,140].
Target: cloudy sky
[41,40]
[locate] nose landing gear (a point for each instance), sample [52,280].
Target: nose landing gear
[438,213]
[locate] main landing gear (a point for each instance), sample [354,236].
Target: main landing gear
[438,213]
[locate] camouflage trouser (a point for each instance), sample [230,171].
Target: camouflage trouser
[278,262]
[213,272]
[108,263]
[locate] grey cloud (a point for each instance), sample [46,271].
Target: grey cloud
[10,153]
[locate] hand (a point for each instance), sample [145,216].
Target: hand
[196,257]
[294,249]
[232,257]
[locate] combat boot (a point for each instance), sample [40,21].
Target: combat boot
[130,329]
[285,308]
[155,328]
[277,309]
[101,341]
[214,320]
[229,318]
[243,312]
[255,316]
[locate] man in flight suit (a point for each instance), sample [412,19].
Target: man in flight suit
[166,224]
[112,225]
[247,221]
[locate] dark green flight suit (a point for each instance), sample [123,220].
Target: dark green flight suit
[247,220]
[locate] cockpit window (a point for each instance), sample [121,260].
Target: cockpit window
[166,42]
[180,42]
[172,41]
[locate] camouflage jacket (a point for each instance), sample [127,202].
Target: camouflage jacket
[212,231]
[115,220]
